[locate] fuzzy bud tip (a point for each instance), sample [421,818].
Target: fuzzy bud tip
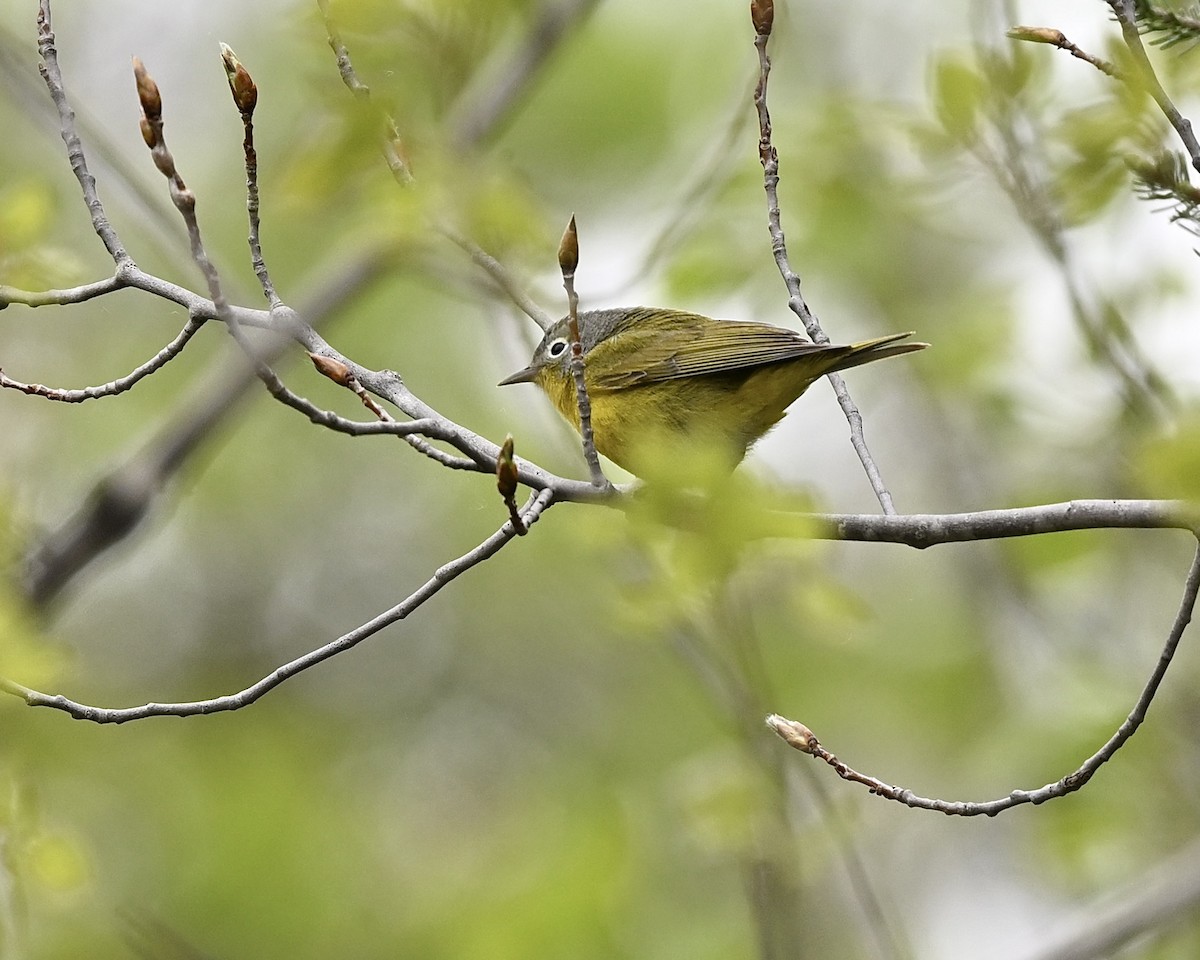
[793,733]
[147,90]
[335,370]
[762,15]
[568,249]
[506,470]
[1037,35]
[241,85]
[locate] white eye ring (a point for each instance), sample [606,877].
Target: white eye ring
[555,348]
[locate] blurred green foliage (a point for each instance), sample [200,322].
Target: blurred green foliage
[563,754]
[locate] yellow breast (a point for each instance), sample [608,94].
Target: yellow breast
[728,411]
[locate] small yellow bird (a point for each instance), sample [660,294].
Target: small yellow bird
[657,375]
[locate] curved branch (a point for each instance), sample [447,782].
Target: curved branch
[798,736]
[537,505]
[113,387]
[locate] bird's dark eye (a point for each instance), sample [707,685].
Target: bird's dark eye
[556,348]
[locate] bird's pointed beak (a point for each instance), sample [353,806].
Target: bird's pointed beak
[528,375]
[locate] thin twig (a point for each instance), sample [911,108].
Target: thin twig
[24,92]
[66,119]
[537,504]
[797,735]
[568,261]
[1056,38]
[115,505]
[120,500]
[113,387]
[383,383]
[150,99]
[762,15]
[245,98]
[125,266]
[282,316]
[185,201]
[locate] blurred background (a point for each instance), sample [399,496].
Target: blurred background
[562,754]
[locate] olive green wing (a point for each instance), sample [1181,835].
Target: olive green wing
[694,346]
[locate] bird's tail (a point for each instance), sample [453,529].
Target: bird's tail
[870,350]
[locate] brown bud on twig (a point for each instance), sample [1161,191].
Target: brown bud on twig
[568,249]
[506,470]
[506,483]
[793,733]
[762,15]
[147,90]
[1037,35]
[241,85]
[335,370]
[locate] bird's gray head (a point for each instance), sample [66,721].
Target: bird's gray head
[595,326]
